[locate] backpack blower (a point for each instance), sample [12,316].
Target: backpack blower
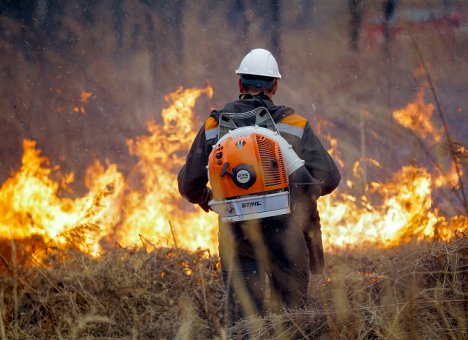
[251,168]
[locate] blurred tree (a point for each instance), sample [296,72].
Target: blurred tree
[356,11]
[117,18]
[388,11]
[275,22]
[306,8]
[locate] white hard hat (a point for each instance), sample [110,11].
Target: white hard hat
[259,62]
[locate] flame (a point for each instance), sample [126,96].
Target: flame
[146,208]
[405,214]
[84,97]
[320,127]
[157,212]
[30,203]
[417,117]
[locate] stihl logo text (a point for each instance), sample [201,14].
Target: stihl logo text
[251,204]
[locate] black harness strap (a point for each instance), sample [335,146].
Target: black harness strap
[215,114]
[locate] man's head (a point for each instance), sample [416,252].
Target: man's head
[258,72]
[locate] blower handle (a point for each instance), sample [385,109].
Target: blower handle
[225,171]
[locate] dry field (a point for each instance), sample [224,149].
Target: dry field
[81,82]
[416,291]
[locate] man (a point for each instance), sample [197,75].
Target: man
[282,247]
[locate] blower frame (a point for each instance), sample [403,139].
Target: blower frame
[245,188]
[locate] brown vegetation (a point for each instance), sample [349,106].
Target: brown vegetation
[412,291]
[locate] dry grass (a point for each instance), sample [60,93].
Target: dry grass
[124,294]
[413,291]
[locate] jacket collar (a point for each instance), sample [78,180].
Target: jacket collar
[262,96]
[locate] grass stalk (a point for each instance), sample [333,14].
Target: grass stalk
[2,315]
[452,150]
[15,285]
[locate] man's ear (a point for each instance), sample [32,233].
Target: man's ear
[241,87]
[275,86]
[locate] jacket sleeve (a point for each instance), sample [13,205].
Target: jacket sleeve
[193,176]
[318,161]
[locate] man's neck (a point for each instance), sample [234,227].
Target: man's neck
[259,93]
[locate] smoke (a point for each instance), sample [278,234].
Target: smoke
[129,54]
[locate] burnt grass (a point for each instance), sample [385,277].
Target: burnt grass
[414,290]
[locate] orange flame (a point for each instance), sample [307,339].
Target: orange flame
[152,210]
[30,204]
[417,117]
[157,212]
[405,214]
[84,97]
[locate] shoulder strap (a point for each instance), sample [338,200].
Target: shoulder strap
[211,125]
[215,114]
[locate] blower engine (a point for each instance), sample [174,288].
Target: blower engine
[250,166]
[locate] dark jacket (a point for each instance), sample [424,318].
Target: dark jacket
[193,176]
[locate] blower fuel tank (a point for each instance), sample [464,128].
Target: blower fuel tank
[248,171]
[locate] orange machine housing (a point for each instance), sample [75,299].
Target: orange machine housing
[246,165]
